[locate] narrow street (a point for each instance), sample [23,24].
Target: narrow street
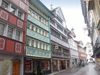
[87,70]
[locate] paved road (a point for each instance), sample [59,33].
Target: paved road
[87,70]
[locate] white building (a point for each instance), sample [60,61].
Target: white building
[89,52]
[73,50]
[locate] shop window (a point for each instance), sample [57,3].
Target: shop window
[45,65]
[10,32]
[1,29]
[17,35]
[12,10]
[19,14]
[28,66]
[4,4]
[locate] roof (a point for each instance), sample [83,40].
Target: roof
[42,7]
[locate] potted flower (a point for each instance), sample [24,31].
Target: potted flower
[35,72]
[41,72]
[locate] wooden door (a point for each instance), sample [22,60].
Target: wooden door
[67,63]
[16,68]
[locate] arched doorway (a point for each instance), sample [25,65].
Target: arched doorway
[16,67]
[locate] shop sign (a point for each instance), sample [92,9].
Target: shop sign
[20,23]
[3,14]
[2,43]
[18,47]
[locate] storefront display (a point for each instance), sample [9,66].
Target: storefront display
[28,66]
[54,65]
[45,65]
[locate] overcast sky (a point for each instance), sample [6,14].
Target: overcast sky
[73,14]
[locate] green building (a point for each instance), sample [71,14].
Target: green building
[38,47]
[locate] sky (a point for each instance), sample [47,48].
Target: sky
[73,15]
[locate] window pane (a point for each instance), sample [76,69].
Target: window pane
[29,25]
[12,10]
[10,32]
[4,4]
[17,35]
[32,43]
[36,44]
[19,14]
[1,29]
[33,27]
[24,0]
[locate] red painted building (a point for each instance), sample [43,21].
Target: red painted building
[13,19]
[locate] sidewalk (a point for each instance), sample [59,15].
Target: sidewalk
[97,70]
[72,70]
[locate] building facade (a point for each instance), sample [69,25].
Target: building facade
[89,52]
[94,27]
[82,53]
[59,42]
[73,50]
[13,15]
[38,45]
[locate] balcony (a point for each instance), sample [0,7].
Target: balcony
[60,54]
[53,38]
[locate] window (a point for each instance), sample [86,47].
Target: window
[43,46]
[24,0]
[10,32]
[29,25]
[12,10]
[47,47]
[32,43]
[1,29]
[36,29]
[4,4]
[17,35]
[36,44]
[29,11]
[19,14]
[40,31]
[46,34]
[33,27]
[29,42]
[40,45]
[36,16]
[33,14]
[39,18]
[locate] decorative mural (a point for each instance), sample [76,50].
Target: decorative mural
[18,47]
[4,15]
[37,36]
[38,23]
[2,43]
[37,52]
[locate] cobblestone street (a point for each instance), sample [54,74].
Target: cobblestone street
[87,70]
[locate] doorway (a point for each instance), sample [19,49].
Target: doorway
[68,63]
[16,67]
